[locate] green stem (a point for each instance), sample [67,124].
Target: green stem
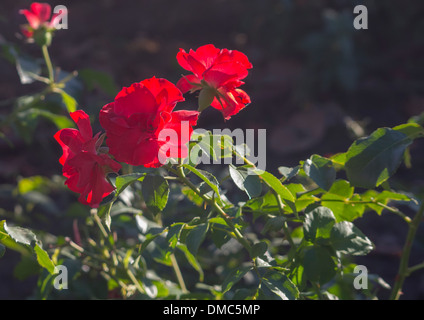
[175,265]
[135,281]
[395,211]
[415,268]
[285,226]
[178,273]
[403,267]
[100,225]
[48,63]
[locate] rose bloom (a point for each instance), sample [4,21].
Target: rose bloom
[136,120]
[218,73]
[85,162]
[38,16]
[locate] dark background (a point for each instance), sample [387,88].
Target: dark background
[316,84]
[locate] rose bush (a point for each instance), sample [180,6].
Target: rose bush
[235,232]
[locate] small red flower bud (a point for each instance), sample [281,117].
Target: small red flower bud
[38,27]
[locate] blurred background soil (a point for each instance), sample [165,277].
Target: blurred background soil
[316,85]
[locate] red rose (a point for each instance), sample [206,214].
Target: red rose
[84,163]
[218,73]
[38,17]
[138,119]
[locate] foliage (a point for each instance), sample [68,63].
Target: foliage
[293,236]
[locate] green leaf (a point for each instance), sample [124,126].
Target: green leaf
[288,173]
[104,213]
[28,69]
[318,224]
[206,145]
[149,237]
[2,250]
[372,160]
[233,277]
[34,183]
[321,171]
[201,149]
[225,144]
[412,130]
[246,181]
[259,249]
[219,237]
[244,294]
[192,260]
[274,224]
[173,235]
[124,181]
[339,159]
[207,177]
[280,285]
[206,97]
[69,102]
[195,237]
[267,202]
[192,196]
[342,188]
[318,264]
[61,122]
[155,191]
[303,199]
[276,185]
[44,259]
[19,235]
[337,199]
[385,196]
[27,238]
[348,239]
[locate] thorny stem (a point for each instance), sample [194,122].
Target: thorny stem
[403,266]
